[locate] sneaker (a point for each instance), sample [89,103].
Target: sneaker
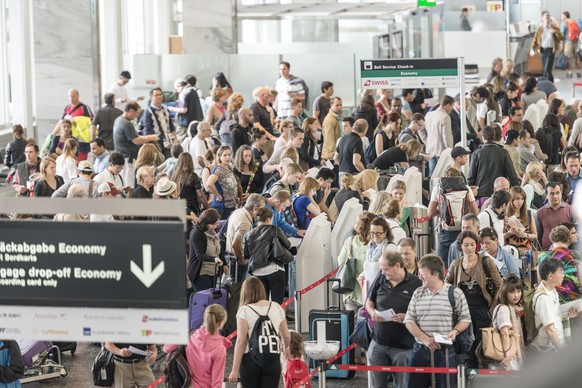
[579,75]
[569,75]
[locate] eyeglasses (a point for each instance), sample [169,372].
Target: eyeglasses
[377,233]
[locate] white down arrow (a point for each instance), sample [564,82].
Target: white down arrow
[147,276]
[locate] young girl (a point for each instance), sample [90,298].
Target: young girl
[399,193]
[67,161]
[296,369]
[520,237]
[285,128]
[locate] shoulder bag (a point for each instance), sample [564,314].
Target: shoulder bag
[103,368]
[347,273]
[281,255]
[493,344]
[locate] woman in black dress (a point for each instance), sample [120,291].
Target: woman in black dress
[400,155]
[49,181]
[246,169]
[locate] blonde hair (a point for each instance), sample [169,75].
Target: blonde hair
[380,203]
[367,179]
[218,93]
[399,185]
[44,165]
[235,101]
[346,181]
[252,291]
[146,156]
[70,148]
[508,65]
[307,185]
[530,170]
[411,148]
[291,153]
[283,124]
[144,171]
[214,316]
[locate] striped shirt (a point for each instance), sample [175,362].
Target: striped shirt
[432,311]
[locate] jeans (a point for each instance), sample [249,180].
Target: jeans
[420,356]
[548,61]
[380,355]
[274,285]
[292,283]
[432,164]
[446,238]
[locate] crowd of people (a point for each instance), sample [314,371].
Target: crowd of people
[254,176]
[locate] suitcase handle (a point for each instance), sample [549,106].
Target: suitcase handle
[328,306]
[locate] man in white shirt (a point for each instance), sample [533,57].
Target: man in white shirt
[106,190]
[437,134]
[113,171]
[199,147]
[118,88]
[288,87]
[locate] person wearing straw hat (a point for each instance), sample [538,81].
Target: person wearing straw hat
[84,180]
[164,189]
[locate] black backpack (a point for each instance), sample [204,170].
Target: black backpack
[265,342]
[176,372]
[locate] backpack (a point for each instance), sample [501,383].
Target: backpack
[453,202]
[294,219]
[226,128]
[175,367]
[265,342]
[531,331]
[573,31]
[370,154]
[296,371]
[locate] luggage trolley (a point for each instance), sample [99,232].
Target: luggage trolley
[39,363]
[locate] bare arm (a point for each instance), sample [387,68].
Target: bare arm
[473,207]
[336,158]
[553,335]
[210,185]
[378,144]
[144,139]
[93,132]
[432,209]
[357,160]
[239,348]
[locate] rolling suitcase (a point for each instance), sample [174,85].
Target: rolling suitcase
[33,351]
[339,327]
[232,302]
[202,299]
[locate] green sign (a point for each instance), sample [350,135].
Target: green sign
[409,73]
[427,3]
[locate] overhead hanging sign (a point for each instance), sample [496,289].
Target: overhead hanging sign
[427,3]
[93,281]
[409,73]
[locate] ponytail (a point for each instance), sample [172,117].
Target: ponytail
[214,315]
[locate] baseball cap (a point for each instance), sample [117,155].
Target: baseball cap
[459,151]
[108,187]
[85,166]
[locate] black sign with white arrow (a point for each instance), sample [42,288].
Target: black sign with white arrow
[81,264]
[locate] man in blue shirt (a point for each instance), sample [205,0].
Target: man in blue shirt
[278,203]
[573,169]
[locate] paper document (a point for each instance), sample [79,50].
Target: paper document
[145,353]
[442,339]
[386,314]
[295,241]
[577,304]
[329,164]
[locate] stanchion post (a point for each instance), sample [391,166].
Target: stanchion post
[461,376]
[298,311]
[322,377]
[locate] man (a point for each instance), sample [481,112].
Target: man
[241,133]
[100,155]
[396,107]
[547,41]
[296,112]
[239,223]
[511,144]
[331,129]
[82,116]
[21,172]
[573,169]
[291,174]
[546,306]
[573,109]
[350,150]
[407,98]
[132,369]
[526,154]
[456,123]
[554,213]
[391,342]
[113,172]
[411,131]
[102,124]
[261,115]
[460,156]
[571,31]
[296,138]
[347,125]
[437,134]
[83,180]
[493,216]
[118,89]
[188,108]
[156,120]
[488,163]
[325,177]
[510,99]
[288,86]
[407,249]
[127,141]
[105,190]
[423,320]
[500,183]
[322,102]
[464,23]
[199,147]
[280,201]
[470,222]
[478,96]
[515,116]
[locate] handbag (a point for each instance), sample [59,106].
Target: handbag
[103,368]
[493,344]
[280,255]
[561,62]
[362,335]
[347,274]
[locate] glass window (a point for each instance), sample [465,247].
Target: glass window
[4,81]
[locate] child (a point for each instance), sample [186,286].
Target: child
[399,193]
[169,166]
[296,368]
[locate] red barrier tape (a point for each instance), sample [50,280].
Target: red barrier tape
[317,283]
[423,219]
[156,382]
[400,369]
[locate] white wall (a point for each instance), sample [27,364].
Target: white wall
[477,47]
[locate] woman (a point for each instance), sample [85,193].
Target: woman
[188,185]
[551,138]
[399,155]
[491,247]
[14,151]
[477,276]
[393,216]
[207,171]
[489,105]
[145,178]
[230,116]
[345,192]
[384,103]
[204,258]
[58,141]
[223,184]
[67,161]
[523,236]
[381,238]
[304,205]
[385,136]
[258,250]
[535,144]
[251,178]
[506,316]
[573,234]
[219,81]
[496,67]
[253,301]
[558,107]
[533,183]
[49,181]
[216,110]
[530,94]
[309,155]
[367,111]
[285,127]
[148,155]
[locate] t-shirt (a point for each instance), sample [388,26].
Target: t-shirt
[488,218]
[300,206]
[262,116]
[120,94]
[349,145]
[276,314]
[389,158]
[105,119]
[547,311]
[321,104]
[123,134]
[198,147]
